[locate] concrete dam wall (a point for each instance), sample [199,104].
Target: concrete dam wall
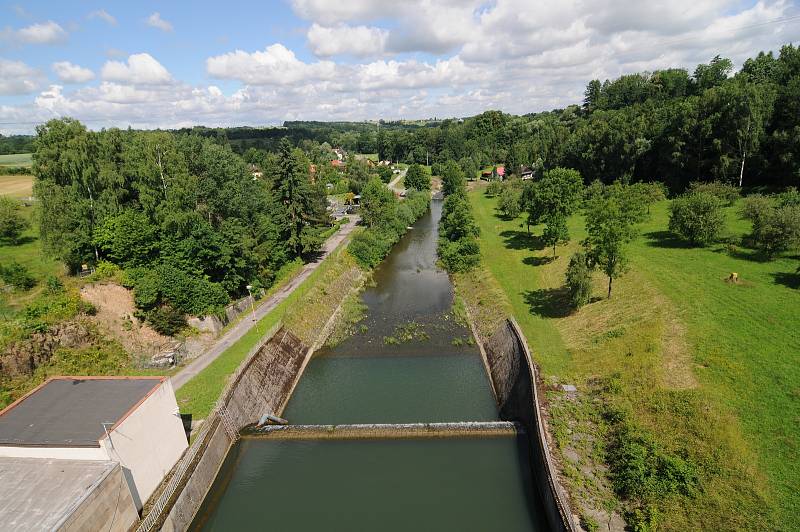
[514,380]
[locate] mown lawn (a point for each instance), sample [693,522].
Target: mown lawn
[710,368]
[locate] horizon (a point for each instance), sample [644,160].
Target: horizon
[149,66]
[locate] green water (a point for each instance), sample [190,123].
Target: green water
[385,485]
[406,485]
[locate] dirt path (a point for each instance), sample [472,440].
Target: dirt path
[393,184]
[237,331]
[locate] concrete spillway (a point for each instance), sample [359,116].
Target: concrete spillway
[377,431]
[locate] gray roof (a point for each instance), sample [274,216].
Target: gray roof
[37,493]
[70,411]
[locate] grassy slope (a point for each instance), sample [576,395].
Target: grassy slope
[680,337]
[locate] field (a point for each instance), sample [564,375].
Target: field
[16,159]
[709,368]
[16,186]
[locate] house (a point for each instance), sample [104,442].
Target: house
[487,175]
[339,164]
[500,172]
[68,495]
[340,153]
[131,421]
[525,173]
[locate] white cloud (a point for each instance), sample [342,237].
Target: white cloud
[353,40]
[18,78]
[140,69]
[276,65]
[43,33]
[104,15]
[156,21]
[71,73]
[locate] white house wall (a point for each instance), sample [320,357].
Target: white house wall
[148,442]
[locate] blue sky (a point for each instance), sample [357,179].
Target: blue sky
[167,64]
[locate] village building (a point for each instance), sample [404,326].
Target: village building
[65,495]
[131,421]
[525,173]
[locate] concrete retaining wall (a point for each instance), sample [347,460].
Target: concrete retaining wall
[514,379]
[107,507]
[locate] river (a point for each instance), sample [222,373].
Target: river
[410,362]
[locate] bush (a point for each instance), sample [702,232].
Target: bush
[776,221]
[12,224]
[461,255]
[697,217]
[494,188]
[369,247]
[18,276]
[166,320]
[579,280]
[165,284]
[725,192]
[54,285]
[510,202]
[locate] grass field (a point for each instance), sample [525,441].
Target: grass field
[16,159]
[16,186]
[710,368]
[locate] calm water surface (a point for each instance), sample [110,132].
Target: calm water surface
[471,484]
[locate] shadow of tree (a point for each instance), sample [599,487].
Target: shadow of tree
[522,240]
[549,302]
[18,242]
[665,239]
[788,279]
[538,261]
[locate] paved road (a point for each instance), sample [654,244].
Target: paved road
[393,183]
[237,331]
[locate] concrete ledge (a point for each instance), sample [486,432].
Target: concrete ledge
[377,431]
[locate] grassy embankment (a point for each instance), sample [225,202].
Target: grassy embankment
[708,368]
[199,394]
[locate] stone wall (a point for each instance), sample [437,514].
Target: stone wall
[259,386]
[515,381]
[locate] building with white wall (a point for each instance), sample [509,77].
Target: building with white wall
[133,421]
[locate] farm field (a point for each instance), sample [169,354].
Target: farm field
[16,159]
[16,186]
[708,367]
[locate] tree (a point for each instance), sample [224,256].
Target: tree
[578,280]
[417,179]
[776,222]
[384,172]
[509,202]
[591,96]
[12,224]
[555,231]
[452,179]
[712,74]
[610,223]
[377,204]
[293,189]
[697,217]
[557,194]
[494,188]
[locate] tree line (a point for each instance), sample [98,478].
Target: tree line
[182,215]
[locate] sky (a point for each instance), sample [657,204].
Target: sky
[176,64]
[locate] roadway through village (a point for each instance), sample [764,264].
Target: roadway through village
[238,330]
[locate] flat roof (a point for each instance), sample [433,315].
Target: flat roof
[39,493]
[70,411]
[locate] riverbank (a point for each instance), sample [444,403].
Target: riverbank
[674,367]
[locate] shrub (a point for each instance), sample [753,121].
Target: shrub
[461,255]
[579,280]
[369,247]
[165,284]
[12,224]
[697,217]
[54,284]
[18,276]
[494,188]
[776,222]
[510,202]
[725,192]
[166,320]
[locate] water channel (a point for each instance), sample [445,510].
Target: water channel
[411,362]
